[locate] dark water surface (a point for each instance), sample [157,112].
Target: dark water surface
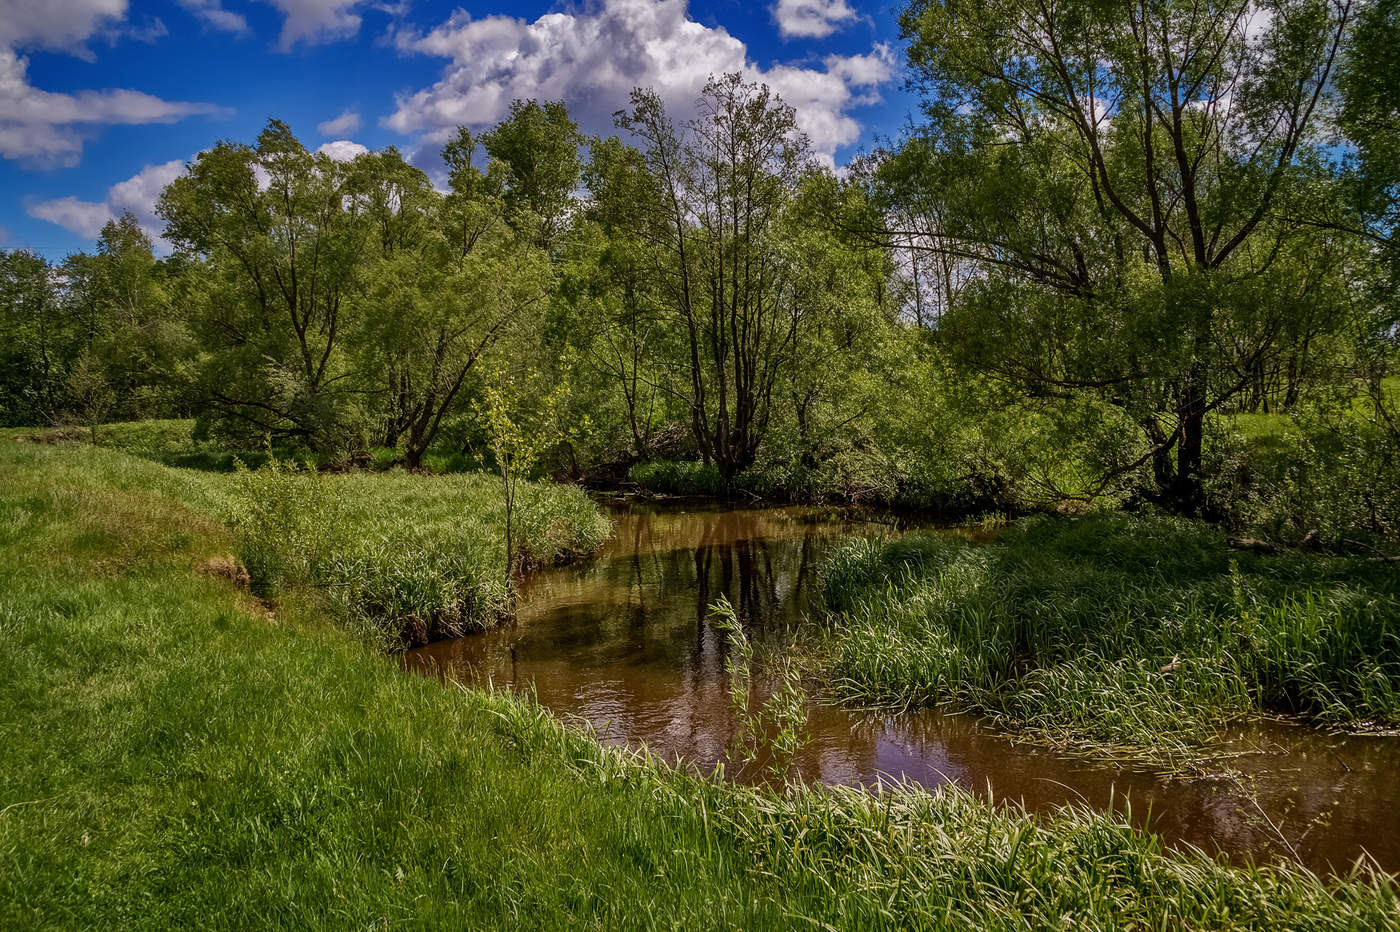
[623,642]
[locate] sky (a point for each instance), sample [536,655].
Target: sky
[103,101]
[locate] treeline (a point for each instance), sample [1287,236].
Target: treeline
[1129,254]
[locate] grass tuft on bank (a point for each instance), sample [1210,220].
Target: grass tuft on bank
[1137,635]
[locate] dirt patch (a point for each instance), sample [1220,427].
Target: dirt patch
[227,568]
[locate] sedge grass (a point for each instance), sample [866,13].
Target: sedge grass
[1138,636]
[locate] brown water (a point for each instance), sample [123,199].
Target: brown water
[624,643]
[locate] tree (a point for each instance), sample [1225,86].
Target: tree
[36,340]
[539,143]
[1122,177]
[614,303]
[134,338]
[283,245]
[712,243]
[442,296]
[522,420]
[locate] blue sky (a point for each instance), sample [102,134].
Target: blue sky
[101,101]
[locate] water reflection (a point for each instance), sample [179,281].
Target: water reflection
[624,642]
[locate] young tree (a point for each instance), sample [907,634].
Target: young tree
[522,418]
[1122,176]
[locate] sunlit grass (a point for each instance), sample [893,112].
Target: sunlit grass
[173,757]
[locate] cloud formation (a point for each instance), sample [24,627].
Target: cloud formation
[213,15]
[342,150]
[136,195]
[814,19]
[594,58]
[347,122]
[315,21]
[62,25]
[45,128]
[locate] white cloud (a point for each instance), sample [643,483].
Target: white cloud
[593,59]
[811,18]
[46,128]
[63,25]
[213,14]
[314,21]
[136,195]
[347,122]
[342,150]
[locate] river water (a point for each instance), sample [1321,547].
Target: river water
[623,641]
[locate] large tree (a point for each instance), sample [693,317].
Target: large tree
[539,144]
[1129,181]
[282,243]
[713,239]
[454,280]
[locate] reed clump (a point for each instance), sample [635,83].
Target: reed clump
[411,558]
[1135,635]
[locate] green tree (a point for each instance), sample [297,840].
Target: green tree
[1123,178]
[539,143]
[282,243]
[724,181]
[454,281]
[119,298]
[36,340]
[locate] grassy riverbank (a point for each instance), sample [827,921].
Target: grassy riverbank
[174,756]
[396,555]
[1138,636]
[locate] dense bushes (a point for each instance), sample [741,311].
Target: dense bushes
[1128,631]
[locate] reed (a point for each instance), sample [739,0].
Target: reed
[1136,635]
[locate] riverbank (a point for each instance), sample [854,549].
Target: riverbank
[1128,637]
[174,755]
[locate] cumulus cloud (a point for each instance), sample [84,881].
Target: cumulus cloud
[213,15]
[814,19]
[136,195]
[64,25]
[594,58]
[342,150]
[313,21]
[46,128]
[347,122]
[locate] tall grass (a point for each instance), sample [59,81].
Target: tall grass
[679,477]
[412,558]
[1142,635]
[173,758]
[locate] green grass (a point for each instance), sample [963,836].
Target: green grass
[172,757]
[409,557]
[1134,635]
[678,477]
[399,556]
